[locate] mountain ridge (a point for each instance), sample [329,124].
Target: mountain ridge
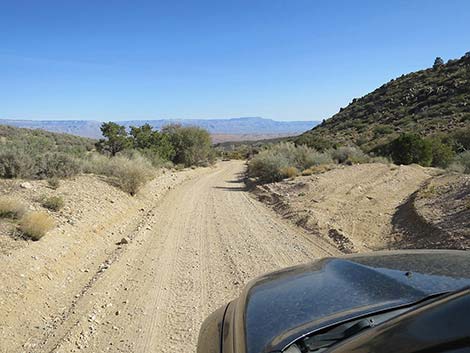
[232,126]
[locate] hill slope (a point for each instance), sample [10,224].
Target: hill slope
[427,102]
[37,139]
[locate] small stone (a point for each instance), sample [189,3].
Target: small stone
[123,241]
[117,312]
[26,185]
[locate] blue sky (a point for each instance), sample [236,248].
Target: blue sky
[286,60]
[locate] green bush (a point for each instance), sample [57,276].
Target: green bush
[461,163]
[53,203]
[279,161]
[192,145]
[349,155]
[318,143]
[127,173]
[16,164]
[411,148]
[461,140]
[381,130]
[267,167]
[57,165]
[442,154]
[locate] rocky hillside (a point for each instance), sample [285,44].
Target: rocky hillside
[429,101]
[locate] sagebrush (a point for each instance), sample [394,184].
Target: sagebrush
[36,224]
[11,207]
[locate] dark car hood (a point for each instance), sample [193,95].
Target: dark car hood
[277,308]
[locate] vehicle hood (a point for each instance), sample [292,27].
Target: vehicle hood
[280,307]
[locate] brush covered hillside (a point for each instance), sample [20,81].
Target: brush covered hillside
[427,102]
[12,136]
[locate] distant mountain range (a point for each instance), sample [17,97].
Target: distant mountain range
[249,128]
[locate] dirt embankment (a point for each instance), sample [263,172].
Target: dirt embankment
[354,207]
[437,215]
[40,281]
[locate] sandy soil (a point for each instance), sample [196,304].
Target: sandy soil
[352,206]
[191,249]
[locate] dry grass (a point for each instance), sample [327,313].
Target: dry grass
[318,169]
[36,224]
[128,174]
[53,183]
[11,207]
[290,172]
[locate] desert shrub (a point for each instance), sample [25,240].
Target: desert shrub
[442,154]
[313,141]
[281,160]
[15,163]
[129,174]
[11,207]
[289,172]
[267,166]
[36,224]
[461,140]
[53,183]
[53,203]
[411,148]
[379,159]
[461,163]
[192,145]
[95,164]
[57,165]
[381,130]
[349,155]
[304,157]
[317,169]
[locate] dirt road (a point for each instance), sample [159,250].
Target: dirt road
[201,244]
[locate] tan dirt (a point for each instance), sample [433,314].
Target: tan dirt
[351,206]
[190,251]
[441,212]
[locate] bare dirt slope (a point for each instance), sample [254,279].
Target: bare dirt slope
[192,251]
[439,213]
[353,206]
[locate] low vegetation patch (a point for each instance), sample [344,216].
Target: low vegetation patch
[53,203]
[36,224]
[53,183]
[286,160]
[461,163]
[128,174]
[128,157]
[11,207]
[349,155]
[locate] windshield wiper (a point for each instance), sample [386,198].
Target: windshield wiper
[322,341]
